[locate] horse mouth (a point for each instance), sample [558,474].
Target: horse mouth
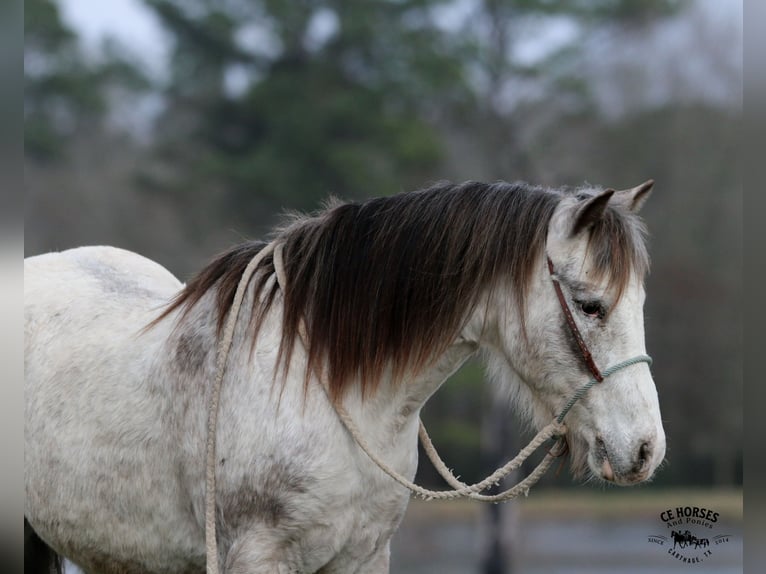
[602,467]
[606,470]
[591,458]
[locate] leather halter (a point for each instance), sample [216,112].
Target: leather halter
[586,354]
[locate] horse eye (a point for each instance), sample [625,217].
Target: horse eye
[592,308]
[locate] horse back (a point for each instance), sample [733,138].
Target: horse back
[82,298]
[100,270]
[99,455]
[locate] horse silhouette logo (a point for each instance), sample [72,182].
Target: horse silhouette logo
[689,527]
[684,539]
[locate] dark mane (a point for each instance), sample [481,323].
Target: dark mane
[389,282]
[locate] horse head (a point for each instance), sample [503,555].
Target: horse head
[595,252]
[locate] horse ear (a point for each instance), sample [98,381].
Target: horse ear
[634,198]
[591,211]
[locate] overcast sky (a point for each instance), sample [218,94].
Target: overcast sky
[128,20]
[133,23]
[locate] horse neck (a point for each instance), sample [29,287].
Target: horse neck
[395,406]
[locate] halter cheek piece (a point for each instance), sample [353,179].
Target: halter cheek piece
[590,363]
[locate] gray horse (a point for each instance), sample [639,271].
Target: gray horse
[395,294]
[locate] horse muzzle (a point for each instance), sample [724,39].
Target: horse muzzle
[629,465]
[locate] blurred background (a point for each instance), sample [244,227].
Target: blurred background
[176,128]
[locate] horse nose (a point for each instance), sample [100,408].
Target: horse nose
[643,456]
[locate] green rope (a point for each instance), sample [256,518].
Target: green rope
[605,373]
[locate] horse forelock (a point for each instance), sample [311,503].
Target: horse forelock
[385,285]
[617,244]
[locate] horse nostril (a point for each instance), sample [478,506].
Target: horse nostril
[644,454]
[600,442]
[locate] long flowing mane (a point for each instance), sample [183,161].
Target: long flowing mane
[389,282]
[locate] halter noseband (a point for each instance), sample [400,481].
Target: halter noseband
[598,375]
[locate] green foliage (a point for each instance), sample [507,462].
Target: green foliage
[338,97]
[43,29]
[343,114]
[620,11]
[64,93]
[632,11]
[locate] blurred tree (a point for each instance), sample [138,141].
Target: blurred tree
[59,93]
[65,93]
[80,164]
[520,92]
[283,103]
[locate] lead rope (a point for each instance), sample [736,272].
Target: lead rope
[211,543]
[555,429]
